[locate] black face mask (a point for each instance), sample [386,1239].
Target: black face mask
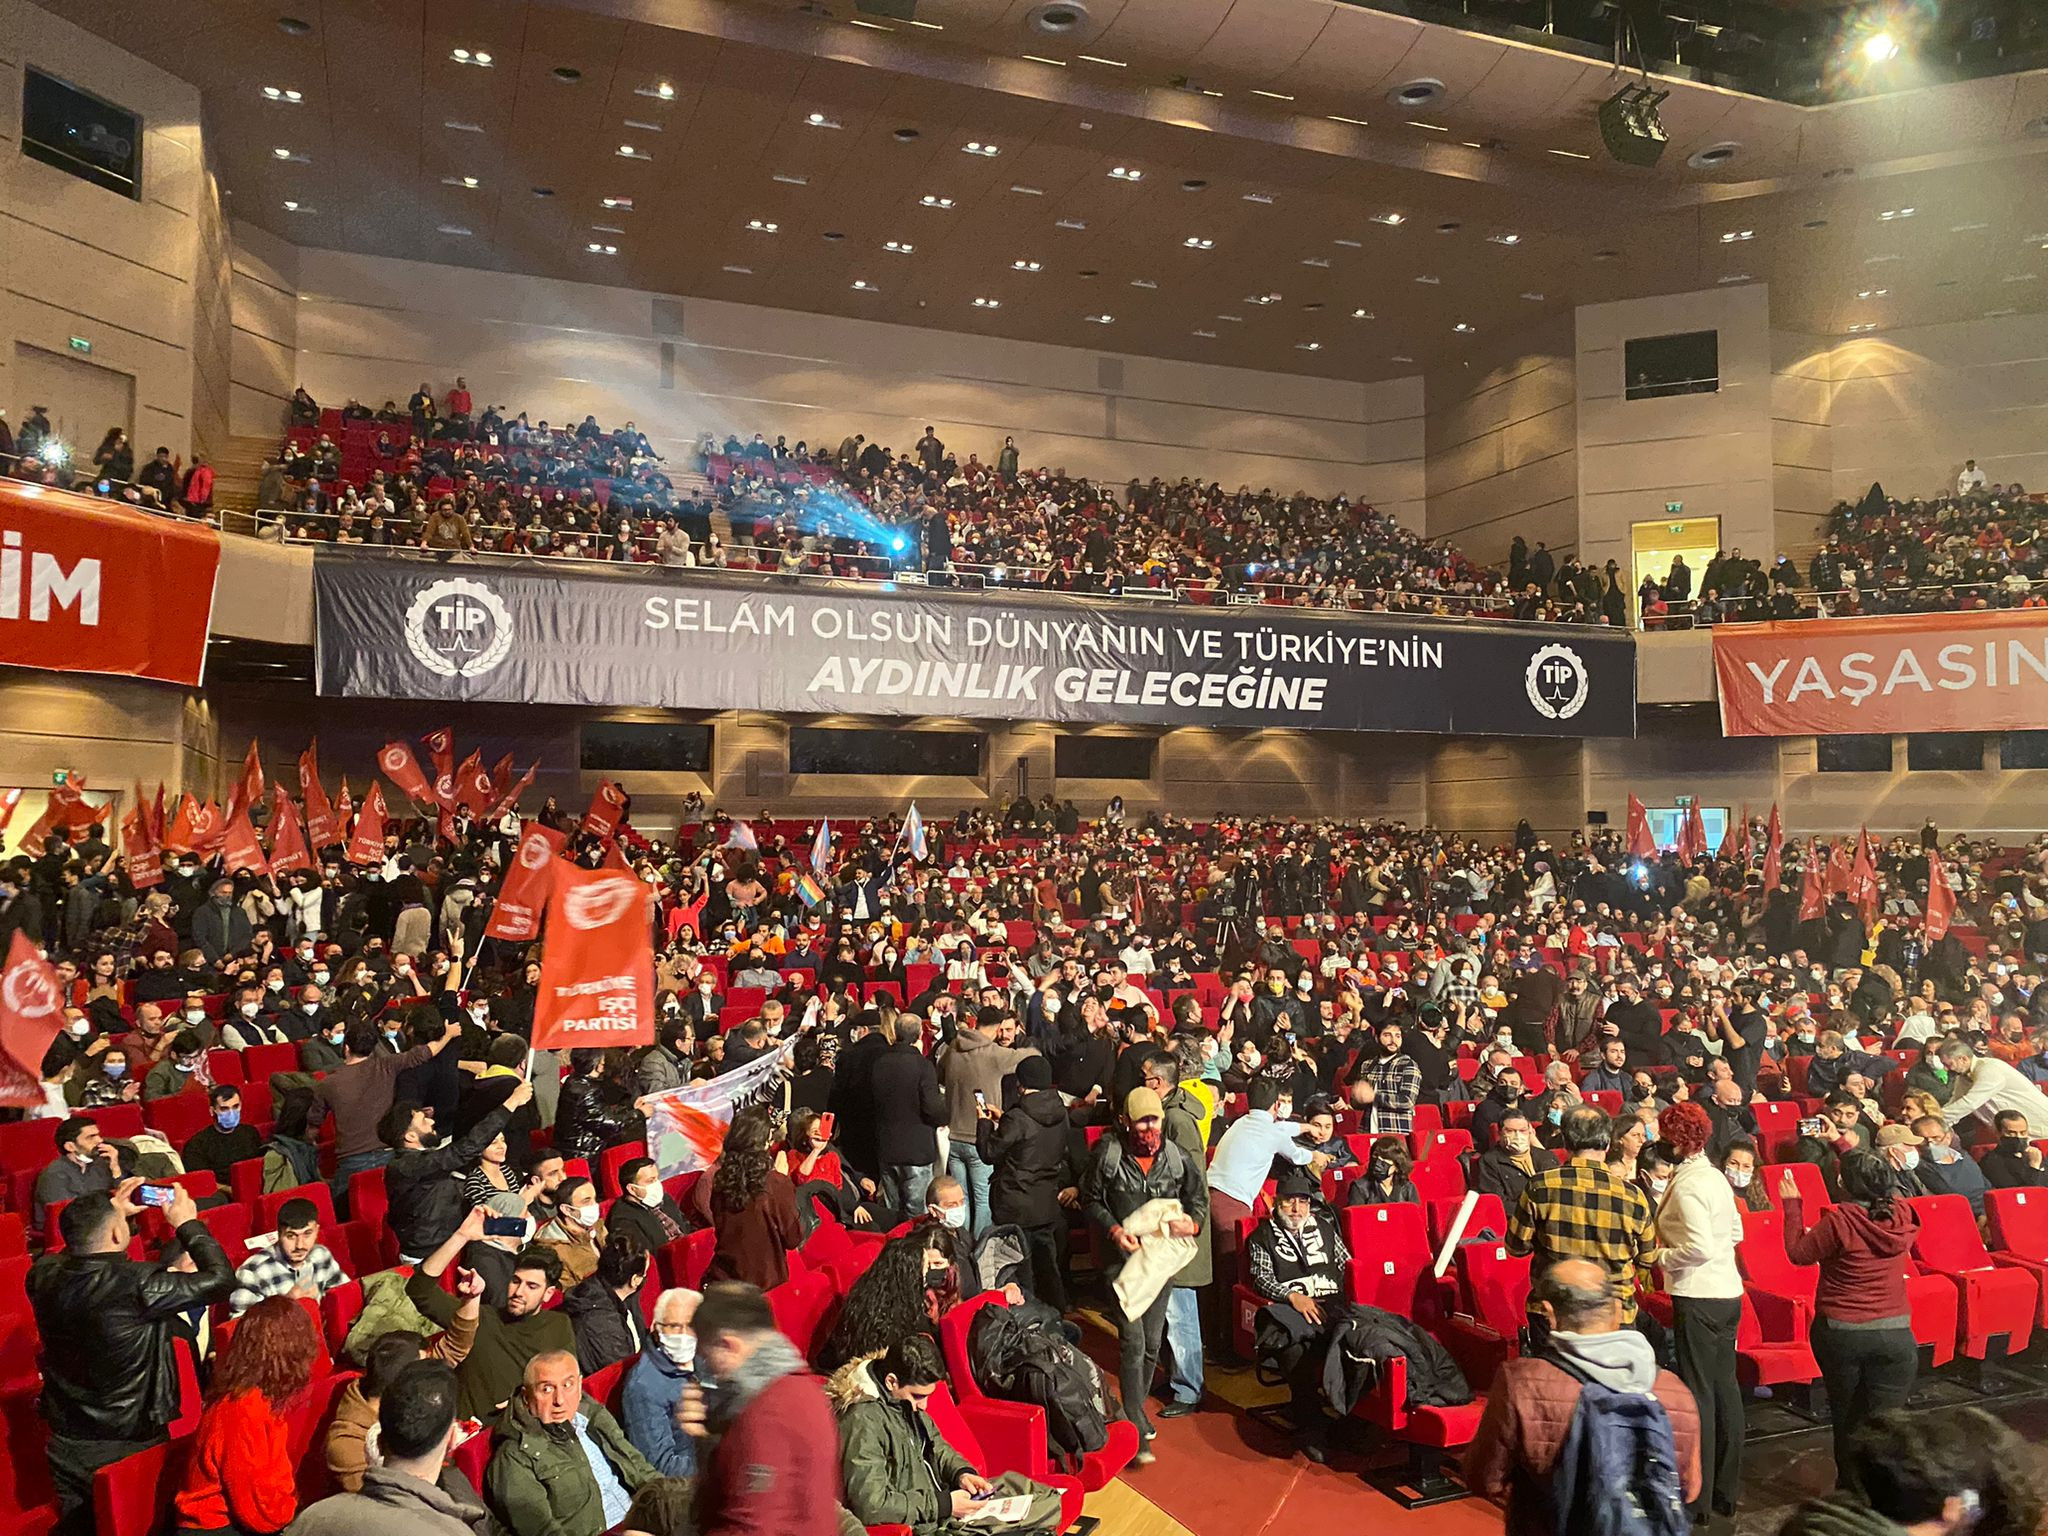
[1380,1171]
[1507,1093]
[2016,1145]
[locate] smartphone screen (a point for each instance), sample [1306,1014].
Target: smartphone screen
[156,1194]
[827,1123]
[980,1099]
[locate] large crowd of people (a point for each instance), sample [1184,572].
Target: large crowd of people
[1085,1073]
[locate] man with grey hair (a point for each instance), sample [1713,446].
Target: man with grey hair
[562,1466]
[1989,1087]
[1531,1405]
[667,1363]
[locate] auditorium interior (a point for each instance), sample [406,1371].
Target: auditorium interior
[1519,419]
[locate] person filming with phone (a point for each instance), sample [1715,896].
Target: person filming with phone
[108,1322]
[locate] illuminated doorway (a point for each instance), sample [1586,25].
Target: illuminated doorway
[1652,546]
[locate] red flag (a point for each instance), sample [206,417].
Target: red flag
[614,857]
[1735,839]
[182,836]
[210,827]
[242,849]
[321,828]
[248,790]
[1839,873]
[367,846]
[1813,886]
[444,823]
[8,802]
[344,803]
[440,747]
[597,971]
[31,1015]
[1863,875]
[1640,844]
[501,778]
[156,816]
[1941,898]
[509,800]
[288,851]
[1774,852]
[145,861]
[527,882]
[37,837]
[403,769]
[1692,842]
[603,816]
[473,785]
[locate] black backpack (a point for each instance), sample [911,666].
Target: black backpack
[1617,1472]
[1022,1354]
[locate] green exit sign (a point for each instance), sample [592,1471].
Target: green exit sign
[1674,507]
[60,776]
[82,344]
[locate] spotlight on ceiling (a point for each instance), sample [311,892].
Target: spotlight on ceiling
[1880,48]
[1630,126]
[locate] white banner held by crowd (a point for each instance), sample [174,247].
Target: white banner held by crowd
[686,1126]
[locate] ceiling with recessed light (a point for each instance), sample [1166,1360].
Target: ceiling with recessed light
[1297,185]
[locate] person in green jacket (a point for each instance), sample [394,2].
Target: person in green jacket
[899,1469]
[562,1466]
[507,1337]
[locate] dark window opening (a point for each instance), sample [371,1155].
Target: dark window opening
[80,134]
[1103,757]
[1949,752]
[1854,754]
[1686,364]
[626,746]
[2023,749]
[818,749]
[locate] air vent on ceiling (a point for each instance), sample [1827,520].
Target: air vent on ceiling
[1416,93]
[1713,156]
[1059,18]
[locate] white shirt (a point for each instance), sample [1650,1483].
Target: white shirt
[1971,479]
[1698,1227]
[1993,1088]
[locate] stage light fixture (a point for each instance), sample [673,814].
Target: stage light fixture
[1630,126]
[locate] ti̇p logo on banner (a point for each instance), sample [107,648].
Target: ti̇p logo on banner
[1557,682]
[458,628]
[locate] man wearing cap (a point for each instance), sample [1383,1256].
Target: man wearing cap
[1897,1145]
[1132,1165]
[1298,1266]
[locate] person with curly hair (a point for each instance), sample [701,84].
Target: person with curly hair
[240,1476]
[1954,1472]
[1697,1228]
[1739,1163]
[749,1205]
[906,1290]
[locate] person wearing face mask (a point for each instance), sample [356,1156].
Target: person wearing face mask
[667,1363]
[185,1067]
[1386,1178]
[604,1308]
[1504,1168]
[426,1204]
[1507,1095]
[356,1426]
[1945,1168]
[645,1209]
[2013,1161]
[226,1140]
[247,1023]
[1298,1261]
[221,928]
[576,1231]
[703,1003]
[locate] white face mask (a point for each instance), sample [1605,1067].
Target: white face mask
[195,1015]
[679,1347]
[953,1216]
[249,1010]
[1658,1186]
[309,1007]
[648,1195]
[79,1028]
[320,975]
[585,1215]
[1738,1178]
[276,983]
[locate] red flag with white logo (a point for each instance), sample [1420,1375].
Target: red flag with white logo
[501,778]
[144,859]
[473,786]
[288,851]
[509,800]
[31,1015]
[516,917]
[1941,899]
[1641,845]
[241,847]
[1813,884]
[210,829]
[344,803]
[606,806]
[597,971]
[321,827]
[403,769]
[367,846]
[440,747]
[1774,852]
[247,793]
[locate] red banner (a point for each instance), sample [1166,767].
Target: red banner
[597,971]
[288,851]
[517,915]
[473,786]
[440,747]
[605,806]
[1774,852]
[1941,899]
[509,800]
[403,769]
[1641,845]
[242,849]
[321,826]
[31,1014]
[1898,673]
[247,792]
[97,587]
[145,859]
[367,845]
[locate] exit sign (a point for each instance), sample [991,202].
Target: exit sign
[82,344]
[60,776]
[1674,507]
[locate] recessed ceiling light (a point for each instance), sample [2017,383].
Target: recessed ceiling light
[1505,239]
[291,26]
[1872,293]
[1126,173]
[909,135]
[624,204]
[1209,335]
[1353,245]
[1713,156]
[1731,236]
[820,120]
[1258,197]
[459,181]
[1391,220]
[1271,95]
[1071,224]
[900,247]
[1308,346]
[462,127]
[1999,314]
[1868,325]
[1100,319]
[1315,261]
[464,56]
[599,248]
[1037,58]
[872,26]
[1449,227]
[1608,254]
[1197,243]
[1021,265]
[608,229]
[295,207]
[1263,299]
[2023,277]
[1398,358]
[1463,328]
[644,127]
[628,152]
[831,234]
[661,90]
[1194,184]
[976,147]
[568,74]
[1815,224]
[1023,191]
[739,270]
[1416,93]
[1356,122]
[1092,58]
[1880,259]
[1143,282]
[455,229]
[1431,127]
[1533,298]
[282,153]
[791,181]
[865,286]
[1233,319]
[981,303]
[929,26]
[1361,314]
[1567,154]
[932,200]
[1897,213]
[1733,277]
[276,93]
[1430,281]
[763,226]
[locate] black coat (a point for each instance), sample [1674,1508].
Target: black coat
[107,1323]
[424,1187]
[592,1115]
[1031,1153]
[629,1215]
[1115,1186]
[607,1328]
[853,1101]
[908,1107]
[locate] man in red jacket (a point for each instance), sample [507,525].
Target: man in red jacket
[1529,1408]
[769,1465]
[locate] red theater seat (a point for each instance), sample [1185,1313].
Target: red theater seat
[1995,1300]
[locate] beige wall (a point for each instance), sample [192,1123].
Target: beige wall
[1711,452]
[115,731]
[78,260]
[1802,441]
[374,328]
[263,362]
[1502,447]
[1909,406]
[212,321]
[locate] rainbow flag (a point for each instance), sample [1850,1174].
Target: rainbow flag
[808,889]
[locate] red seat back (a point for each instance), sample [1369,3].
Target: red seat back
[1948,1238]
[268,1207]
[1498,1285]
[260,1061]
[800,1306]
[2018,1219]
[132,1496]
[1813,1189]
[1390,1255]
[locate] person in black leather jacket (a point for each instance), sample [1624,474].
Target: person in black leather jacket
[110,1371]
[604,1309]
[426,1203]
[593,1112]
[1036,1177]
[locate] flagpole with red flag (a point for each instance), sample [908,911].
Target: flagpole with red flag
[1774,852]
[1941,899]
[1641,845]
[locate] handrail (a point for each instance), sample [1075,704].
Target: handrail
[1816,605]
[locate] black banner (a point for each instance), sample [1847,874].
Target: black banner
[542,632]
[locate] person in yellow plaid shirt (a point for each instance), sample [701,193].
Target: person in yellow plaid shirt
[1582,1209]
